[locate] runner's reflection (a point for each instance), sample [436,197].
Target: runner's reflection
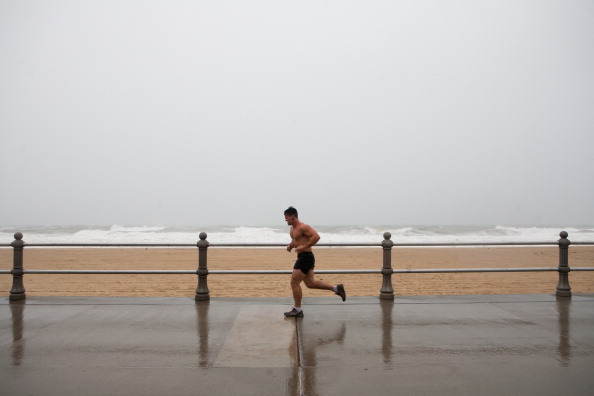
[308,356]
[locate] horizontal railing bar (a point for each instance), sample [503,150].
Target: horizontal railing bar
[459,270]
[257,245]
[189,245]
[477,244]
[193,272]
[527,269]
[361,244]
[108,272]
[487,244]
[248,272]
[281,272]
[110,245]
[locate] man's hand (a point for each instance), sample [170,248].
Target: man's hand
[301,249]
[289,247]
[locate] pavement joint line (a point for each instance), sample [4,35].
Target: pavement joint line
[300,373]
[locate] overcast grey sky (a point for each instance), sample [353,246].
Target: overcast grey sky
[356,112]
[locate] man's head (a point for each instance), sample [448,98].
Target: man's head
[291,211]
[291,215]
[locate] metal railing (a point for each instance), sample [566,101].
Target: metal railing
[18,292]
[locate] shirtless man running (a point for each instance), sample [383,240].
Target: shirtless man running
[303,237]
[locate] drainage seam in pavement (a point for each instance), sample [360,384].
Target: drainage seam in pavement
[299,366]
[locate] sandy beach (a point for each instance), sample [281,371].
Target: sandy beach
[279,259]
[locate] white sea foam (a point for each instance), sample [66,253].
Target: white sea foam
[279,234]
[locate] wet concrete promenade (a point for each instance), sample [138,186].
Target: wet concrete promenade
[434,345]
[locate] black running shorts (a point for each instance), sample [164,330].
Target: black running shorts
[305,262]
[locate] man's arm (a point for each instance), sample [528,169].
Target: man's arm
[313,238]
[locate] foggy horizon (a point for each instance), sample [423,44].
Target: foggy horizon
[385,113]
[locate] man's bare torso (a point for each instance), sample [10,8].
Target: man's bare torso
[300,235]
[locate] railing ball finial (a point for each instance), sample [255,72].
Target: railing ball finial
[18,240]
[563,234]
[387,243]
[203,243]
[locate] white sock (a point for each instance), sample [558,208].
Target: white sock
[298,309]
[334,289]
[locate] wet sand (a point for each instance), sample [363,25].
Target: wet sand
[279,259]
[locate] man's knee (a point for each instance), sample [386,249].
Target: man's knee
[296,279]
[309,283]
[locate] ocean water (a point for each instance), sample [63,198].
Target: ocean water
[279,234]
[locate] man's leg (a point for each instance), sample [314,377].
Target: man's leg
[312,283]
[296,278]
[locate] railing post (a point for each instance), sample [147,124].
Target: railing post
[563,288]
[387,292]
[202,293]
[17,292]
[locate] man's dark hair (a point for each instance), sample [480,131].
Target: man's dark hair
[291,211]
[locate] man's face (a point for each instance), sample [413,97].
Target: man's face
[290,219]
